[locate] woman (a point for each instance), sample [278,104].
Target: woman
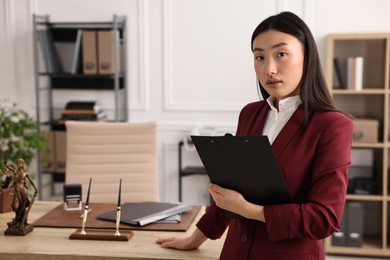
[311,141]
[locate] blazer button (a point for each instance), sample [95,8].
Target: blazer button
[244,238]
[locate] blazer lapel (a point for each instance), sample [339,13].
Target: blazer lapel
[288,132]
[260,120]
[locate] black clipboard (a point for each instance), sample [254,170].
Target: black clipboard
[245,164]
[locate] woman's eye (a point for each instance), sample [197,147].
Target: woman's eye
[259,58]
[281,54]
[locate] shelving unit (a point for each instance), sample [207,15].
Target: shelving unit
[50,81]
[370,102]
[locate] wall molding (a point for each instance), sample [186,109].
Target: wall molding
[32,7]
[168,88]
[281,5]
[8,51]
[307,11]
[167,52]
[142,102]
[167,183]
[9,18]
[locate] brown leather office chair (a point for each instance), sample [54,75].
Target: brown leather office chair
[109,151]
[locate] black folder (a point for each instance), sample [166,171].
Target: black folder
[143,213]
[245,164]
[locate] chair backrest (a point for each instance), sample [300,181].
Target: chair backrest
[108,152]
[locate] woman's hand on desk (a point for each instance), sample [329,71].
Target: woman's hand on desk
[184,243]
[234,202]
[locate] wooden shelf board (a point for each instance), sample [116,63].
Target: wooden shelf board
[358,36]
[371,247]
[368,145]
[377,198]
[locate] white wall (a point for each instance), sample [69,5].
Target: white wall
[189,60]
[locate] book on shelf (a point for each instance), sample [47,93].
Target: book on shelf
[355,73]
[107,41]
[65,52]
[355,224]
[83,105]
[85,117]
[143,213]
[76,61]
[105,48]
[69,53]
[50,54]
[339,237]
[351,227]
[83,111]
[339,74]
[89,52]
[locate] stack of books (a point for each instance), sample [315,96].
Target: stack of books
[352,77]
[355,73]
[83,111]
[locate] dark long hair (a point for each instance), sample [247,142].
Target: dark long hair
[314,92]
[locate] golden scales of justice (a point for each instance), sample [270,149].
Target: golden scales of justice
[102,234]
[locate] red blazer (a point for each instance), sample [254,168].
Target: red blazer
[314,162]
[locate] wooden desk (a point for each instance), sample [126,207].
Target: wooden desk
[54,243]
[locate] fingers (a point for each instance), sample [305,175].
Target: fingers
[213,188]
[168,243]
[164,240]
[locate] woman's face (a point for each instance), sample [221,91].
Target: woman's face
[278,60]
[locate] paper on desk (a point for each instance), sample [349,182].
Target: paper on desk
[172,219]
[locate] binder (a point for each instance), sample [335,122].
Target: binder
[355,224]
[143,213]
[359,61]
[339,74]
[245,164]
[355,73]
[90,58]
[84,116]
[339,238]
[83,105]
[50,55]
[106,52]
[76,54]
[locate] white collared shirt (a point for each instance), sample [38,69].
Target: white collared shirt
[276,120]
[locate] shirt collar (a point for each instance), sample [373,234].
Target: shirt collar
[288,104]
